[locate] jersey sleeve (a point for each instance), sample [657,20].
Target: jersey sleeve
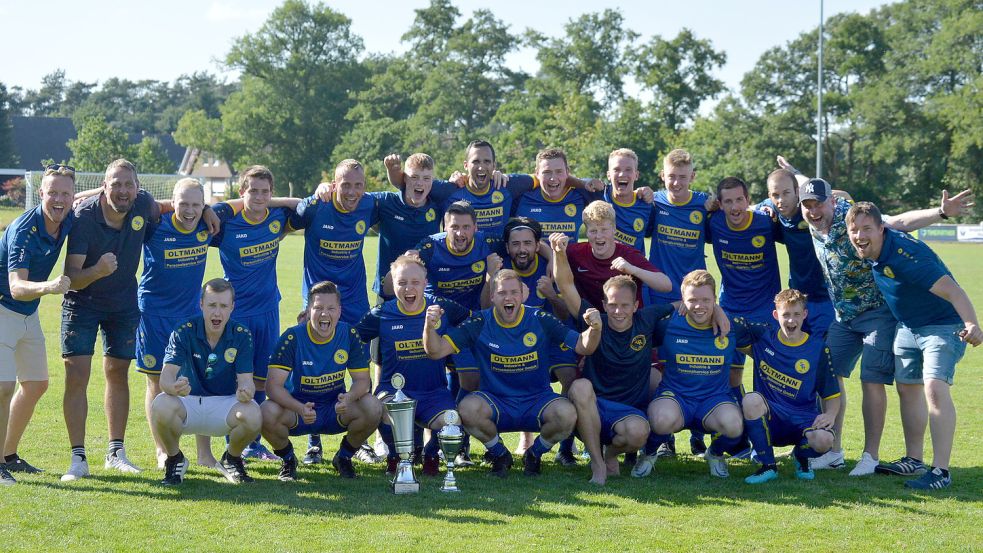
[426,249]
[455,312]
[358,360]
[175,353]
[244,357]
[19,254]
[920,268]
[368,326]
[284,353]
[441,191]
[302,216]
[78,237]
[558,333]
[826,384]
[464,335]
[464,361]
[520,183]
[659,333]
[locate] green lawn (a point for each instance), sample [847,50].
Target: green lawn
[678,507]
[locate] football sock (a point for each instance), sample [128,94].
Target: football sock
[540,446]
[566,446]
[433,445]
[114,446]
[495,447]
[286,451]
[347,450]
[757,431]
[314,440]
[386,431]
[79,450]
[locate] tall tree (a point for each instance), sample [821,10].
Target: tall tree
[8,157]
[98,143]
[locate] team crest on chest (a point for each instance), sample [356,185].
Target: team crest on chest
[888,272]
[497,197]
[758,241]
[136,223]
[638,224]
[477,266]
[360,227]
[341,357]
[721,342]
[202,236]
[275,227]
[431,215]
[637,343]
[570,210]
[695,217]
[230,355]
[802,366]
[529,339]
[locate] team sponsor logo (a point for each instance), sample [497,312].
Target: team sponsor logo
[360,227]
[695,217]
[335,246]
[259,249]
[477,266]
[230,355]
[624,237]
[676,232]
[802,366]
[275,227]
[431,215]
[202,236]
[136,223]
[888,272]
[721,342]
[529,339]
[695,359]
[184,253]
[497,197]
[638,224]
[554,226]
[461,284]
[341,357]
[570,210]
[742,257]
[149,361]
[758,241]
[637,343]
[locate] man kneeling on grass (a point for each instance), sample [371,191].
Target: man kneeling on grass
[207,386]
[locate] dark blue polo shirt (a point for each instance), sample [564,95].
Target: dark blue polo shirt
[92,237]
[26,244]
[805,274]
[211,372]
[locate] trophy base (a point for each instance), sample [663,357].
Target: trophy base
[400,488]
[450,490]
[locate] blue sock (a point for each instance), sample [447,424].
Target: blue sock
[417,437]
[433,445]
[654,440]
[757,431]
[259,397]
[566,446]
[495,447]
[721,444]
[540,446]
[347,450]
[802,453]
[386,431]
[314,440]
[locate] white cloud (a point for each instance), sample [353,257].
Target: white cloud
[225,12]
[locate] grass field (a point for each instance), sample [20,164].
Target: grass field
[678,507]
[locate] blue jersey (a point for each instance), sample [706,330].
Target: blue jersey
[173,268]
[400,336]
[210,371]
[677,232]
[26,244]
[248,250]
[632,220]
[539,268]
[791,376]
[805,274]
[333,242]
[455,276]
[492,208]
[748,263]
[697,362]
[904,272]
[401,227]
[563,215]
[513,360]
[317,368]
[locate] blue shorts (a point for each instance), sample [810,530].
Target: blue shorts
[869,337]
[928,352]
[611,413]
[79,326]
[153,333]
[821,316]
[265,329]
[519,414]
[429,405]
[327,422]
[696,410]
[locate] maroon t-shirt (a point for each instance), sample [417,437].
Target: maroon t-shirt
[590,273]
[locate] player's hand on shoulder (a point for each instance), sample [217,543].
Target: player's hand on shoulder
[559,241]
[712,203]
[434,313]
[499,179]
[459,178]
[593,318]
[645,194]
[324,191]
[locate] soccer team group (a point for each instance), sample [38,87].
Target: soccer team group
[486,298]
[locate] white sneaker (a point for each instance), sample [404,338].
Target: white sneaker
[120,462]
[865,465]
[718,466]
[78,469]
[829,460]
[643,465]
[381,449]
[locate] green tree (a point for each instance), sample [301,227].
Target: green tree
[98,143]
[151,157]
[8,157]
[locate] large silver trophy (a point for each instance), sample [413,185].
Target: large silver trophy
[401,411]
[450,437]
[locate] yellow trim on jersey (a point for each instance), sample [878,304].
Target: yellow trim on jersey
[834,396]
[696,326]
[315,340]
[337,205]
[360,370]
[518,319]
[750,219]
[399,305]
[688,200]
[281,367]
[447,242]
[542,192]
[451,342]
[532,270]
[805,336]
[246,219]
[177,225]
[746,350]
[615,199]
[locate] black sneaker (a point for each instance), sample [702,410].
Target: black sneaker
[233,469]
[343,465]
[905,466]
[630,459]
[666,451]
[20,465]
[5,478]
[314,456]
[174,469]
[501,465]
[931,480]
[697,447]
[288,468]
[565,458]
[531,465]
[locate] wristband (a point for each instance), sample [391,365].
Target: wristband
[942,214]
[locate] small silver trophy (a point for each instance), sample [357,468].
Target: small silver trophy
[450,438]
[401,411]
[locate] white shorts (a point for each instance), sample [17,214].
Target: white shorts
[208,415]
[22,353]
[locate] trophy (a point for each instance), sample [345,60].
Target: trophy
[401,413]
[450,438]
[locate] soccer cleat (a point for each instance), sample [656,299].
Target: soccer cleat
[366,454]
[564,458]
[932,480]
[5,477]
[864,466]
[666,451]
[764,474]
[78,469]
[829,460]
[905,466]
[233,469]
[118,461]
[501,465]
[431,466]
[258,451]
[343,465]
[803,465]
[804,473]
[463,459]
[697,447]
[20,465]
[288,468]
[531,465]
[174,470]
[745,453]
[314,456]
[717,464]
[643,466]
[392,465]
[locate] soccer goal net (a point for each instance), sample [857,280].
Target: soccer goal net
[160,186]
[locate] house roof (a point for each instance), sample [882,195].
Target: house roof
[39,138]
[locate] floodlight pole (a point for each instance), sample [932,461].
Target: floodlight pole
[819,103]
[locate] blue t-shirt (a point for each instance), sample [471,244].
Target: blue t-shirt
[317,368]
[748,263]
[248,250]
[791,376]
[333,242]
[677,232]
[492,208]
[401,227]
[539,268]
[400,336]
[513,360]
[905,271]
[697,362]
[210,371]
[173,269]
[805,274]
[563,215]
[26,244]
[455,276]
[632,220]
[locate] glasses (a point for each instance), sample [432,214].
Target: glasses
[58,168]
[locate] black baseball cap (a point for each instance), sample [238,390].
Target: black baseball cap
[815,189]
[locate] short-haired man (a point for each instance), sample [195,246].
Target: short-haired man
[207,386]
[104,249]
[633,216]
[792,372]
[936,320]
[29,250]
[307,392]
[510,344]
[553,203]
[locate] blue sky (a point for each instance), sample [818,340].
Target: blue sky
[136,39]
